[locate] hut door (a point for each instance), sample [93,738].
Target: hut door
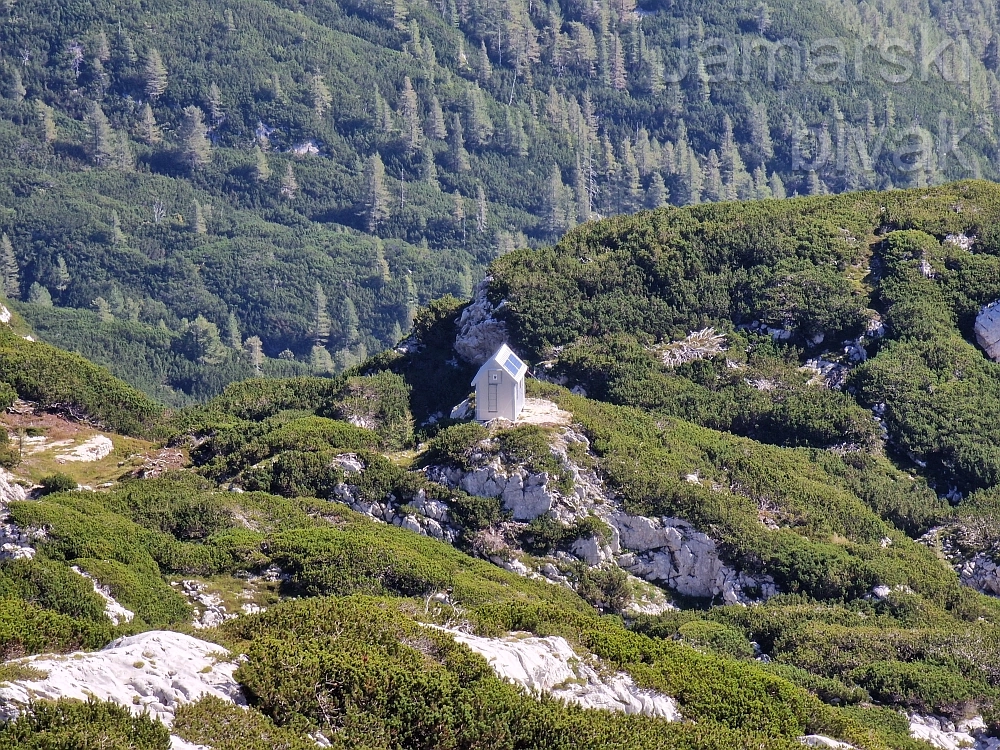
[492,390]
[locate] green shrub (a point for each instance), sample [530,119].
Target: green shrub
[716,637]
[72,724]
[57,482]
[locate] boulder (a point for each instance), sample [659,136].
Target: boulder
[988,330]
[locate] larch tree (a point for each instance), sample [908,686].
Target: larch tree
[254,349]
[39,295]
[321,318]
[11,270]
[149,131]
[484,70]
[714,189]
[46,121]
[289,185]
[657,195]
[155,74]
[458,156]
[376,195]
[619,77]
[435,120]
[102,137]
[321,97]
[556,204]
[777,186]
[261,169]
[413,134]
[481,207]
[458,214]
[428,169]
[195,146]
[215,109]
[233,334]
[17,90]
[60,275]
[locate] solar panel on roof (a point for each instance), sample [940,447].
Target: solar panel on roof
[513,365]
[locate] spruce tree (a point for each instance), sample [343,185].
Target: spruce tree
[233,335]
[484,70]
[60,275]
[458,214]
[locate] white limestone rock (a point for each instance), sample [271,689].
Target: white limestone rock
[480,333]
[176,743]
[156,672]
[982,574]
[550,665]
[818,740]
[94,449]
[988,330]
[946,735]
[114,611]
[5,315]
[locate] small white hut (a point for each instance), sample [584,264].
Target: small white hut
[500,386]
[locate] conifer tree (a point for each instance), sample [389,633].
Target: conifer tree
[435,121]
[480,209]
[124,159]
[198,223]
[233,335]
[17,90]
[215,104]
[289,185]
[458,156]
[321,318]
[101,136]
[480,125]
[39,295]
[619,78]
[458,214]
[714,190]
[760,133]
[376,196]
[735,178]
[777,186]
[555,208]
[11,271]
[60,275]
[428,169]
[155,74]
[103,308]
[320,361]
[631,189]
[116,228]
[413,134]
[261,169]
[149,131]
[195,146]
[46,121]
[657,196]
[321,98]
[254,349]
[350,325]
[484,70]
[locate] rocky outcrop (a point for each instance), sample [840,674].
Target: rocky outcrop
[152,672]
[93,449]
[667,552]
[818,740]
[480,332]
[946,735]
[421,514]
[981,573]
[988,330]
[15,543]
[550,665]
[671,552]
[114,611]
[209,609]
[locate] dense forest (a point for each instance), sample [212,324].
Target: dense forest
[197,191]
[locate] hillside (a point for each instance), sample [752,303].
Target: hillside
[759,514]
[205,190]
